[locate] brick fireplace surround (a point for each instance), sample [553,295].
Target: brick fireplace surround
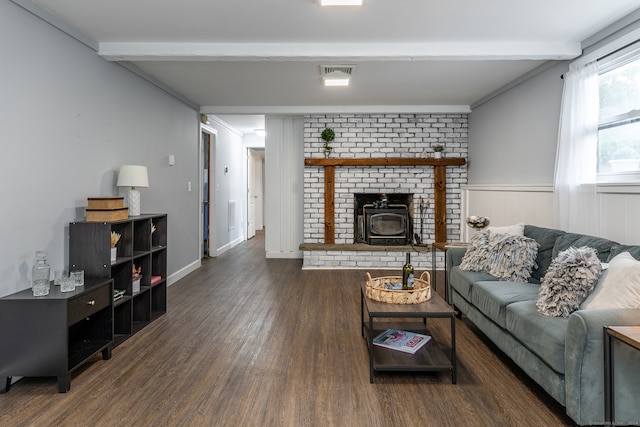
[375,136]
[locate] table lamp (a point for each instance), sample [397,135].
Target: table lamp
[133,176]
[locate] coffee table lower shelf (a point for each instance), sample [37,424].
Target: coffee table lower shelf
[430,358]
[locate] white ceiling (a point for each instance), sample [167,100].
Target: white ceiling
[247,124]
[258,56]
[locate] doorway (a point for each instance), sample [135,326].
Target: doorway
[207,150]
[255,191]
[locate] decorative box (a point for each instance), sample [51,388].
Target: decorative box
[105,202]
[107,215]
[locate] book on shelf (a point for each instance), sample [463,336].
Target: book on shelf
[118,294]
[155,279]
[405,341]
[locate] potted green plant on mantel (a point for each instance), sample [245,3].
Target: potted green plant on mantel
[437,151]
[327,136]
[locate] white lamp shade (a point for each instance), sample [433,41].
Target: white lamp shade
[133,176]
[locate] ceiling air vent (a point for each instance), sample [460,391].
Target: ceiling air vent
[346,69]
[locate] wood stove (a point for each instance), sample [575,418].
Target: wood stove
[386,226]
[383,220]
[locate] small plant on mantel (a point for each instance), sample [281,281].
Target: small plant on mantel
[437,151]
[327,136]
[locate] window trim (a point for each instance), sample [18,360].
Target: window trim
[613,60]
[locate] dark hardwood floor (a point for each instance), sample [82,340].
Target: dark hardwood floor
[253,342]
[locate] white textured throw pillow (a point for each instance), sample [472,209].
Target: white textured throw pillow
[618,287]
[568,281]
[477,254]
[511,257]
[504,256]
[514,230]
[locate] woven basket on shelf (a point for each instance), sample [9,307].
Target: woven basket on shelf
[376,289]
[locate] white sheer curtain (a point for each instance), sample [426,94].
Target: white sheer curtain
[575,197]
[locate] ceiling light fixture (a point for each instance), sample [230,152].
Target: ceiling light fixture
[341,2]
[336,78]
[336,75]
[260,132]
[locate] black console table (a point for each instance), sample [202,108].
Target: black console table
[52,335]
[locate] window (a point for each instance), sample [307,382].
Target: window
[619,123]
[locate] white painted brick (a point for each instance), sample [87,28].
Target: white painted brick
[380,135]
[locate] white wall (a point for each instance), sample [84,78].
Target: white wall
[68,120]
[513,137]
[230,185]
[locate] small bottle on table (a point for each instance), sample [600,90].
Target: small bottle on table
[407,274]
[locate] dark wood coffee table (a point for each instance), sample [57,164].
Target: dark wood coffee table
[377,317]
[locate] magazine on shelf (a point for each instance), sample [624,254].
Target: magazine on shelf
[405,341]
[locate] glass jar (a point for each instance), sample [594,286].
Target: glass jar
[40,275]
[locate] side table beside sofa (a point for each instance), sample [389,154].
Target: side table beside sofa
[625,336]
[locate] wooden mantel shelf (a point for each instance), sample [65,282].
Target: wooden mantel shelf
[439,186]
[386,161]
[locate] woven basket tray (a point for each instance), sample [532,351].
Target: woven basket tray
[377,291]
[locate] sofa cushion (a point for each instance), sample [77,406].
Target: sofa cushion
[493,297]
[514,230]
[567,240]
[618,287]
[546,238]
[569,280]
[543,335]
[618,249]
[463,281]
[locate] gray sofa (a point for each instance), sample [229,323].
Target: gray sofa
[563,355]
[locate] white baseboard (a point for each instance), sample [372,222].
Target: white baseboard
[230,245]
[183,272]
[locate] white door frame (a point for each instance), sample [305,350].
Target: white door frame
[213,246]
[251,195]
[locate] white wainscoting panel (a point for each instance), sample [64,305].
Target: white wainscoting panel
[619,207]
[620,213]
[507,205]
